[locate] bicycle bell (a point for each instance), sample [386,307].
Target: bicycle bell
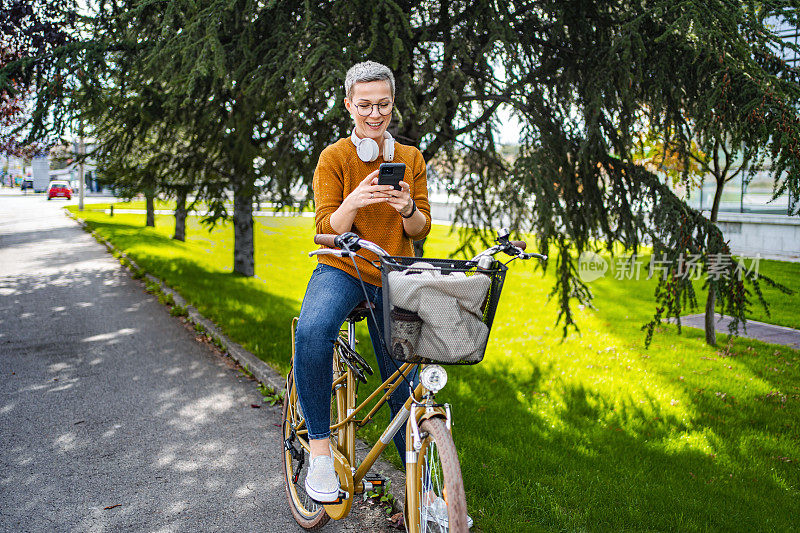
[485,262]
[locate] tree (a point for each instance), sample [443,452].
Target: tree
[579,75]
[663,160]
[141,67]
[726,161]
[223,91]
[586,71]
[723,165]
[133,163]
[131,173]
[186,171]
[258,87]
[729,148]
[28,29]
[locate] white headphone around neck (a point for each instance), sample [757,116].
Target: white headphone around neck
[367,149]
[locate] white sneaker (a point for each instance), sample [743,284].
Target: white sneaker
[436,512]
[321,483]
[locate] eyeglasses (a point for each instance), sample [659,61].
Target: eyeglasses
[365,109]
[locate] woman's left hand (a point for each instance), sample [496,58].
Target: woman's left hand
[401,200]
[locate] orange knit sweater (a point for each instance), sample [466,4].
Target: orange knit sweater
[338,172]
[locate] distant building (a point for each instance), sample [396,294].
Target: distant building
[41,173]
[12,171]
[749,218]
[791,35]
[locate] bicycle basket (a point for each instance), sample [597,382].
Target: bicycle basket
[438,310]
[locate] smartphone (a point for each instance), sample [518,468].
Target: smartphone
[391,174]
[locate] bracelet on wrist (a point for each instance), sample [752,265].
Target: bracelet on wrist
[413,208]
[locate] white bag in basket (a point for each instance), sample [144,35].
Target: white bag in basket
[450,308]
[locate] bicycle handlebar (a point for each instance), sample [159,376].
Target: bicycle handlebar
[350,243]
[327,240]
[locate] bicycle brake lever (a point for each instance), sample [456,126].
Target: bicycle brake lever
[348,241]
[508,247]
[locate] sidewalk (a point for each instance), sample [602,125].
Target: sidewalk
[17,192]
[113,415]
[755,330]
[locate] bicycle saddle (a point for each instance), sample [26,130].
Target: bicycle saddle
[360,312]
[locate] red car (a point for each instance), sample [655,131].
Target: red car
[59,189]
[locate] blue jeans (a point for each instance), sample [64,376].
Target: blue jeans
[330,296]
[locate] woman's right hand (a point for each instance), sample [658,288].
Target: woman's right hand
[368,192]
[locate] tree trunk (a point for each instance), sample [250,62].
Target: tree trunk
[180,216]
[243,252]
[711,299]
[150,195]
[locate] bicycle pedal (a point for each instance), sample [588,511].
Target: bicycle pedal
[342,497]
[374,483]
[376,479]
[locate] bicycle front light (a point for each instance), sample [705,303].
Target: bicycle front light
[433,378]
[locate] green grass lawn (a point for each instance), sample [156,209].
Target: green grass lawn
[782,309]
[158,204]
[590,433]
[133,204]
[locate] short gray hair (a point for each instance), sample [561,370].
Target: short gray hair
[367,71]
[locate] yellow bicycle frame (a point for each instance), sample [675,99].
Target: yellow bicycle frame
[344,391]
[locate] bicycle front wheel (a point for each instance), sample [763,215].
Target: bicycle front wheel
[442,504]
[307,513]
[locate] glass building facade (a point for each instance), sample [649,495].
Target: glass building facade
[754,196]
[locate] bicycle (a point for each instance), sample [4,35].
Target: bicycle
[434,486]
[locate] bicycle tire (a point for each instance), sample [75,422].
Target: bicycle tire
[307,513]
[439,473]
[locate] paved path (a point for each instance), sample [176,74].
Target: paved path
[755,330]
[112,415]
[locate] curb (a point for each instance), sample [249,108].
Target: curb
[260,370]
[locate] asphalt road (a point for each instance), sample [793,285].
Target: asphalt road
[112,415]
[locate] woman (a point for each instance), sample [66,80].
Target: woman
[348,198]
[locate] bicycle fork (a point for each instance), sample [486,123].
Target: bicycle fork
[414,441]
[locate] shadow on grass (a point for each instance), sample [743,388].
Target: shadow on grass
[622,312]
[602,467]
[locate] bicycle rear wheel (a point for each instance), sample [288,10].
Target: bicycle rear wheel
[442,502]
[308,514]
